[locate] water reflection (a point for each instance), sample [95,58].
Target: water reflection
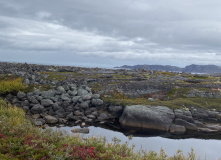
[205,149]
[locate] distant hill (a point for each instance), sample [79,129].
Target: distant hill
[202,68]
[190,68]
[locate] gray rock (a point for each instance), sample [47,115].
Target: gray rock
[37,92]
[72,117]
[80,130]
[35,116]
[46,102]
[91,116]
[73,93]
[187,125]
[51,112]
[78,113]
[39,98]
[84,105]
[25,103]
[61,90]
[186,118]
[75,99]
[95,96]
[38,122]
[95,113]
[21,95]
[69,109]
[82,92]
[30,94]
[26,108]
[177,129]
[86,97]
[103,116]
[37,109]
[96,102]
[146,117]
[56,107]
[62,120]
[51,119]
[66,87]
[115,110]
[66,97]
[33,100]
[55,99]
[60,113]
[48,94]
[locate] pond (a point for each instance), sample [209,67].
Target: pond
[205,148]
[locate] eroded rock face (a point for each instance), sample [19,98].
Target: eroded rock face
[142,117]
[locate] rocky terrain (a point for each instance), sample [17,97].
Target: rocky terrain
[140,100]
[209,69]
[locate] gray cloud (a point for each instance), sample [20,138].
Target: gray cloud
[111,32]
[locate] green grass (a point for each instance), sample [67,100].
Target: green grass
[19,139]
[11,86]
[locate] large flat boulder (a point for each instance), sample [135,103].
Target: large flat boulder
[141,118]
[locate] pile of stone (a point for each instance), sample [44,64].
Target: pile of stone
[65,103]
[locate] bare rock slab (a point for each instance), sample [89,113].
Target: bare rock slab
[147,117]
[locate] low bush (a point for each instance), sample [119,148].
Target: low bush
[11,86]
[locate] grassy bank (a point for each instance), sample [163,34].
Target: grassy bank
[19,139]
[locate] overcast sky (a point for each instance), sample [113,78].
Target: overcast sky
[108,33]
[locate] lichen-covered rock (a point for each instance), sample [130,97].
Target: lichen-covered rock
[37,109]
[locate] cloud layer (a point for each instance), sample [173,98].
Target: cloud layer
[110,33]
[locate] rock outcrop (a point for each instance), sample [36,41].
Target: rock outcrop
[147,118]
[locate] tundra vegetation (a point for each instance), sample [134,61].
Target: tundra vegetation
[20,139]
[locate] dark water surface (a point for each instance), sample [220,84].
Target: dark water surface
[209,149]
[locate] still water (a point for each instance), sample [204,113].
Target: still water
[209,149]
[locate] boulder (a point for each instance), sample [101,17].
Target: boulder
[48,94]
[66,97]
[73,93]
[38,122]
[51,119]
[187,125]
[61,90]
[32,99]
[103,116]
[84,105]
[95,96]
[46,102]
[96,102]
[21,95]
[82,92]
[86,97]
[37,109]
[147,118]
[91,116]
[60,113]
[75,99]
[115,110]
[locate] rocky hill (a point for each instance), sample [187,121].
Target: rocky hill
[190,68]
